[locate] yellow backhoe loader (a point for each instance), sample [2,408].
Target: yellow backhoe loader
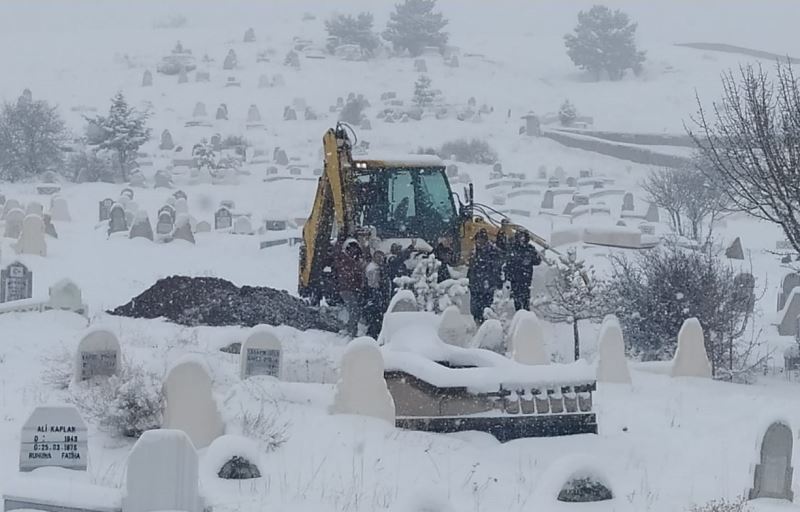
[390,201]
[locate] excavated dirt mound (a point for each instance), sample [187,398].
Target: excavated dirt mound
[211,301]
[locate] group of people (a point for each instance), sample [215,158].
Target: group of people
[492,264]
[364,278]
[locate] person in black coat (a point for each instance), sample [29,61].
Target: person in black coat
[520,260]
[485,267]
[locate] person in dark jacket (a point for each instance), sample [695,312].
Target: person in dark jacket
[520,260]
[485,267]
[443,253]
[379,293]
[396,262]
[350,281]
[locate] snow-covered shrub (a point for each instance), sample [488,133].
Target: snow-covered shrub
[238,468]
[475,151]
[656,291]
[604,42]
[722,505]
[125,404]
[584,489]
[348,29]
[234,141]
[268,429]
[85,165]
[424,95]
[352,112]
[567,113]
[502,308]
[431,295]
[122,132]
[414,25]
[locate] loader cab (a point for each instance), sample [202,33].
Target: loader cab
[405,198]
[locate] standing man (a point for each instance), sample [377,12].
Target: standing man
[522,257]
[350,281]
[379,293]
[485,266]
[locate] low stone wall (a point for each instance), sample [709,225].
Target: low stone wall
[639,155]
[644,139]
[741,50]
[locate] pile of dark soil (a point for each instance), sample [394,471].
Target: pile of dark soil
[211,301]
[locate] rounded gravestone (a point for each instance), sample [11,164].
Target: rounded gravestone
[489,336]
[261,353]
[691,359]
[403,302]
[190,402]
[54,436]
[59,209]
[527,340]
[13,223]
[31,240]
[361,388]
[453,328]
[611,364]
[98,355]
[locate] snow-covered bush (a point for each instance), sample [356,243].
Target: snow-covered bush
[125,404]
[654,292]
[86,165]
[475,151]
[424,282]
[348,29]
[584,489]
[414,25]
[567,113]
[722,505]
[352,112]
[122,131]
[424,95]
[502,308]
[268,429]
[234,141]
[604,42]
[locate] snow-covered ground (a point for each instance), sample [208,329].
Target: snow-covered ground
[663,443]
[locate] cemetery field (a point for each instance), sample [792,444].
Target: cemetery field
[663,443]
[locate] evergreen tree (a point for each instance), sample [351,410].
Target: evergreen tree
[32,138]
[604,41]
[347,29]
[414,25]
[567,113]
[423,94]
[203,152]
[573,295]
[122,132]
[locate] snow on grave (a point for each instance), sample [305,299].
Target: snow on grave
[230,60]
[652,213]
[183,229]
[289,114]
[735,251]
[190,402]
[16,283]
[361,388]
[166,143]
[49,228]
[253,115]
[165,224]
[788,315]
[489,336]
[59,209]
[279,156]
[34,208]
[13,224]
[575,479]
[453,327]
[690,358]
[202,227]
[261,353]
[31,239]
[56,436]
[181,205]
[231,457]
[9,205]
[627,202]
[98,355]
[162,179]
[66,295]
[527,340]
[772,477]
[611,363]
[137,180]
[183,77]
[403,302]
[222,113]
[242,225]
[232,81]
[788,283]
[199,110]
[117,222]
[223,219]
[163,474]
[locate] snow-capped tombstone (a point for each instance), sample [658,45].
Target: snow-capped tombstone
[127,192]
[261,353]
[117,221]
[403,302]
[253,115]
[199,110]
[489,336]
[202,76]
[690,358]
[166,141]
[773,475]
[34,208]
[147,78]
[611,364]
[181,206]
[190,402]
[652,213]
[222,113]
[183,229]
[13,224]
[627,202]
[137,179]
[242,225]
[279,156]
[31,240]
[59,209]
[289,114]
[54,435]
[166,224]
[361,388]
[98,355]
[10,205]
[104,211]
[250,35]
[527,340]
[788,283]
[735,251]
[788,315]
[223,219]
[180,194]
[16,282]
[202,227]
[183,77]
[66,295]
[547,200]
[292,59]
[230,60]
[162,474]
[453,328]
[49,227]
[162,179]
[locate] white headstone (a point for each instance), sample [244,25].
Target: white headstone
[98,355]
[261,353]
[59,210]
[690,358]
[65,294]
[611,363]
[141,228]
[34,208]
[403,302]
[54,436]
[162,474]
[190,402]
[181,206]
[361,388]
[527,340]
[242,226]
[13,224]
[202,227]
[773,475]
[183,229]
[453,328]
[31,240]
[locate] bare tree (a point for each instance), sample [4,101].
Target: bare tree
[751,139]
[665,189]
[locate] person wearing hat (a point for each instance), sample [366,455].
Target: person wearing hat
[520,260]
[485,267]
